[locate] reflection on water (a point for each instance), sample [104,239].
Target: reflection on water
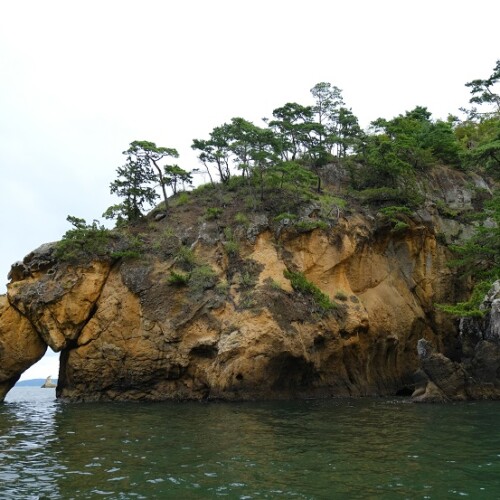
[27,428]
[313,449]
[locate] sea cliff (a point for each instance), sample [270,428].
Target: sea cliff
[247,307]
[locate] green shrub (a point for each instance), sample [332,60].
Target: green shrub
[398,216]
[126,254]
[222,287]
[246,272]
[331,205]
[330,199]
[301,284]
[309,225]
[283,216]
[84,241]
[167,234]
[127,246]
[241,218]
[247,279]
[230,245]
[247,300]
[400,226]
[462,310]
[202,278]
[445,210]
[178,279]
[395,211]
[182,198]
[341,295]
[250,202]
[204,189]
[232,248]
[380,194]
[235,183]
[470,308]
[185,257]
[212,213]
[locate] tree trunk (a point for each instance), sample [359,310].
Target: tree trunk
[162,183]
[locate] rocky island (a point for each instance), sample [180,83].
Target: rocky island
[304,277]
[238,328]
[48,384]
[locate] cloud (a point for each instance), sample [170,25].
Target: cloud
[80,81]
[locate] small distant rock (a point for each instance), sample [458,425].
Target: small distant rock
[48,384]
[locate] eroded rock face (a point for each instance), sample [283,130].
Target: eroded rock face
[441,378]
[477,375]
[240,331]
[20,346]
[59,302]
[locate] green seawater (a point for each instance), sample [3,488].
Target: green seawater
[369,448]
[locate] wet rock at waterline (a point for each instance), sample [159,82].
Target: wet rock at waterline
[238,304]
[477,373]
[237,330]
[20,346]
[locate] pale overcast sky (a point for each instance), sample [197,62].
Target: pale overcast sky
[80,80]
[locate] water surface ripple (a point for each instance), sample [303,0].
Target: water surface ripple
[372,448]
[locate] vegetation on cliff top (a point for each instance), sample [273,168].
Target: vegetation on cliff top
[292,161]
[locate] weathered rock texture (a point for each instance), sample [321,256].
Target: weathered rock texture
[237,330]
[20,346]
[477,375]
[240,332]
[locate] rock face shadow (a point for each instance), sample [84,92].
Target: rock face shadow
[271,311]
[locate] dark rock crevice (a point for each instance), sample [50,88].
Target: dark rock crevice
[477,374]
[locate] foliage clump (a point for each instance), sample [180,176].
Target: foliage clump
[282,166]
[84,241]
[478,258]
[301,284]
[398,216]
[309,225]
[212,213]
[479,135]
[200,278]
[331,205]
[138,178]
[469,308]
[178,279]
[384,194]
[445,210]
[230,244]
[285,216]
[186,258]
[241,218]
